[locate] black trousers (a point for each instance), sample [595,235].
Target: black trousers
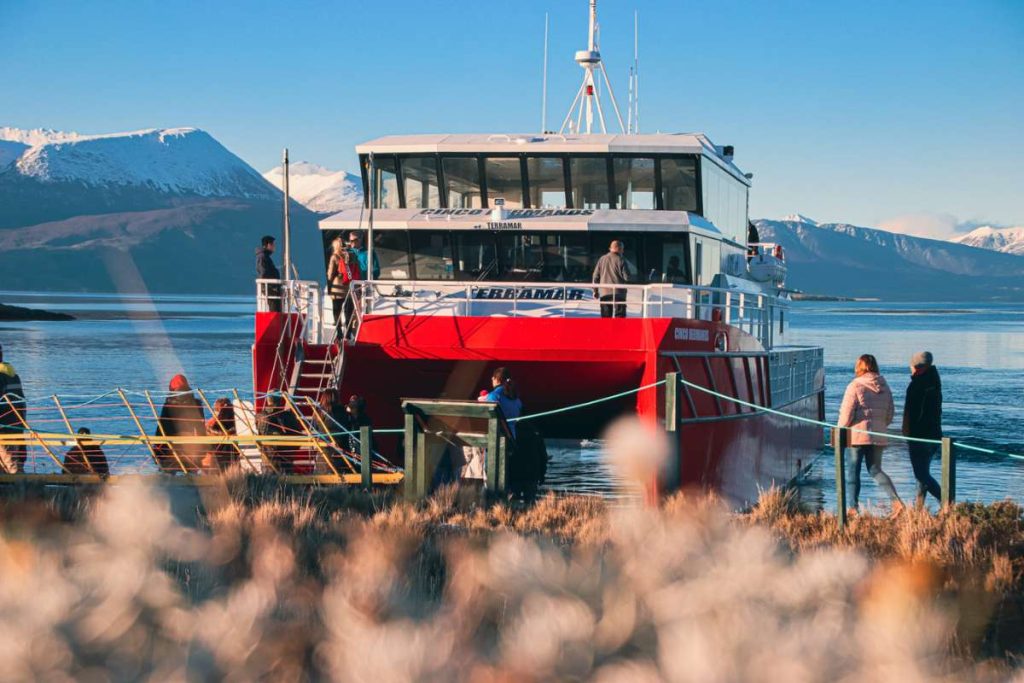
[611,306]
[921,455]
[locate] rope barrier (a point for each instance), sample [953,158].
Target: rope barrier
[587,404]
[808,420]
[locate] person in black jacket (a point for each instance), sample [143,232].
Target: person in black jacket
[266,270]
[922,419]
[181,415]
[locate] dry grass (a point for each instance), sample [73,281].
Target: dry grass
[273,581]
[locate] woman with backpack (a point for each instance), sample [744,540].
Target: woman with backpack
[867,407]
[342,269]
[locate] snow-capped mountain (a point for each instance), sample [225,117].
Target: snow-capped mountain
[317,188]
[1005,240]
[798,218]
[173,160]
[94,212]
[848,260]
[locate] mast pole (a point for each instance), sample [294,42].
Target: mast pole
[369,236]
[636,71]
[544,82]
[287,225]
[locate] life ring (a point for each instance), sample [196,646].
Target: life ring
[777,252]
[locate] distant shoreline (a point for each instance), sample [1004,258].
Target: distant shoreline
[9,313]
[801,296]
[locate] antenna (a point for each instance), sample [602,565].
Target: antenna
[287,224]
[587,97]
[636,71]
[544,86]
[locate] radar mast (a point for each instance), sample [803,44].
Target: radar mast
[587,98]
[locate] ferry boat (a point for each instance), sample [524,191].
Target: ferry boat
[484,248]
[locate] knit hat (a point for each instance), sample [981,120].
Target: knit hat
[921,359]
[179,383]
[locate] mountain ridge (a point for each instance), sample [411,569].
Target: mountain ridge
[840,259]
[317,188]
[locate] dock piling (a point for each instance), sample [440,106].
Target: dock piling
[366,455]
[840,437]
[948,472]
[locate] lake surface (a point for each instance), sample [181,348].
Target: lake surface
[140,342]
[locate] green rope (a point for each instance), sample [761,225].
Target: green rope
[566,409]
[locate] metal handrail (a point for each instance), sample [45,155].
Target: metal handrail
[749,311]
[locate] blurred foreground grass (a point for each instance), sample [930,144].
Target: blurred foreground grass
[259,580]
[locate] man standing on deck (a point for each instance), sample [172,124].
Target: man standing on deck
[355,243]
[922,419]
[266,270]
[612,269]
[12,416]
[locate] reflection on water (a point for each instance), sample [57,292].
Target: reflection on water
[139,342]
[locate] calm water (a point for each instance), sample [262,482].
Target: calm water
[139,342]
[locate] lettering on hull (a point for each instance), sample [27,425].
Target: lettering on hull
[691,334]
[530,293]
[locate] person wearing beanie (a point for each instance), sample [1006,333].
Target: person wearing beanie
[12,417]
[922,419]
[181,415]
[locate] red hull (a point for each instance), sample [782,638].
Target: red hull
[559,362]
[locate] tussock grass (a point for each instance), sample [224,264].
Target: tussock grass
[269,580]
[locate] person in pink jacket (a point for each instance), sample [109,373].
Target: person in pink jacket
[867,407]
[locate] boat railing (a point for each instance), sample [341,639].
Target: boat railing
[302,297]
[754,313]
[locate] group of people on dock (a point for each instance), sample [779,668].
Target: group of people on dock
[867,411]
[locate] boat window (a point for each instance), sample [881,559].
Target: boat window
[566,257]
[476,254]
[420,177]
[724,200]
[462,182]
[432,255]
[634,182]
[665,258]
[505,180]
[391,250]
[679,184]
[385,183]
[546,176]
[589,182]
[522,256]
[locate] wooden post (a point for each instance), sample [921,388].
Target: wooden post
[839,439]
[411,439]
[671,401]
[948,472]
[366,455]
[491,470]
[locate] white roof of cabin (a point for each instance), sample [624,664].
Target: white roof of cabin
[668,143]
[600,220]
[547,143]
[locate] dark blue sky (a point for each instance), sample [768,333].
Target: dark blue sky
[906,114]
